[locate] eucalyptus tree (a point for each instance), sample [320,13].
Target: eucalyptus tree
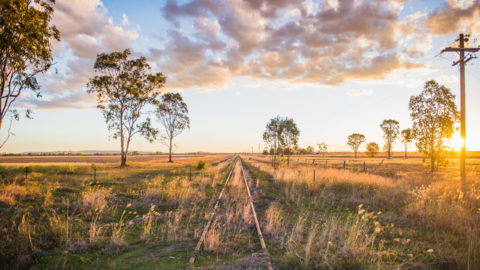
[280,134]
[172,112]
[26,37]
[322,148]
[124,87]
[372,149]
[390,130]
[433,114]
[407,137]
[354,141]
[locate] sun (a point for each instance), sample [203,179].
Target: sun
[455,142]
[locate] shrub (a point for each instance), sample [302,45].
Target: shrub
[201,165]
[372,149]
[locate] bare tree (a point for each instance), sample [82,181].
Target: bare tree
[124,87]
[390,129]
[407,137]
[173,114]
[354,141]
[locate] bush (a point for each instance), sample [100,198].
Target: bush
[201,165]
[372,149]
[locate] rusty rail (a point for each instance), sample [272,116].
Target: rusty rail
[212,215]
[257,224]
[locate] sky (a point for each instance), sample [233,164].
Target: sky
[336,67]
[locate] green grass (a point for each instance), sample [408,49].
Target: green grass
[332,223]
[47,217]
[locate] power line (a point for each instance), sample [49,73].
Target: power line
[461,62]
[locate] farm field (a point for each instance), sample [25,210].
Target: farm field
[151,215]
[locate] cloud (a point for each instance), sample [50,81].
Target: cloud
[454,16]
[359,92]
[298,41]
[125,20]
[85,30]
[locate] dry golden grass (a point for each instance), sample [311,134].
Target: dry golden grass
[448,219]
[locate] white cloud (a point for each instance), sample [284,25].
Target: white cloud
[359,92]
[85,30]
[125,21]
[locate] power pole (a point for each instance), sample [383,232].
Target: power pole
[462,61]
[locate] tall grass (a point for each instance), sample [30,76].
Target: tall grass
[406,221]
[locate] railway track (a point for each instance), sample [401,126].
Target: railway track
[244,176]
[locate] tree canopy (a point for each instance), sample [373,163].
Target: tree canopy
[372,149]
[173,114]
[25,49]
[281,135]
[390,130]
[407,137]
[124,87]
[354,141]
[433,114]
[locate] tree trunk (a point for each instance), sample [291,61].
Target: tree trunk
[389,149]
[405,151]
[432,163]
[170,151]
[123,162]
[355,154]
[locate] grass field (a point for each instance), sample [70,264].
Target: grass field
[95,215]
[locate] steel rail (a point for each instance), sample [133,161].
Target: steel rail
[212,215]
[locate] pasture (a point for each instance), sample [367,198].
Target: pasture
[151,214]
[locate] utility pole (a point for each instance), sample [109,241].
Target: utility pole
[462,61]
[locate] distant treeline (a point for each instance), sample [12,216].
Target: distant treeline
[132,153]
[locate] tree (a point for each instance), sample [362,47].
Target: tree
[433,114]
[280,133]
[355,140]
[173,113]
[310,149]
[372,149]
[390,129]
[25,49]
[322,148]
[124,87]
[407,137]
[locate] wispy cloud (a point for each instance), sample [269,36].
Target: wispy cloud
[359,92]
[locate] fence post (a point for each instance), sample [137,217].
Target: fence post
[26,172]
[364,167]
[344,164]
[288,160]
[313,175]
[313,162]
[190,174]
[95,173]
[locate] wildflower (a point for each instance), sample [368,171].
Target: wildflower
[430,250]
[377,229]
[410,255]
[396,239]
[361,211]
[128,205]
[360,205]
